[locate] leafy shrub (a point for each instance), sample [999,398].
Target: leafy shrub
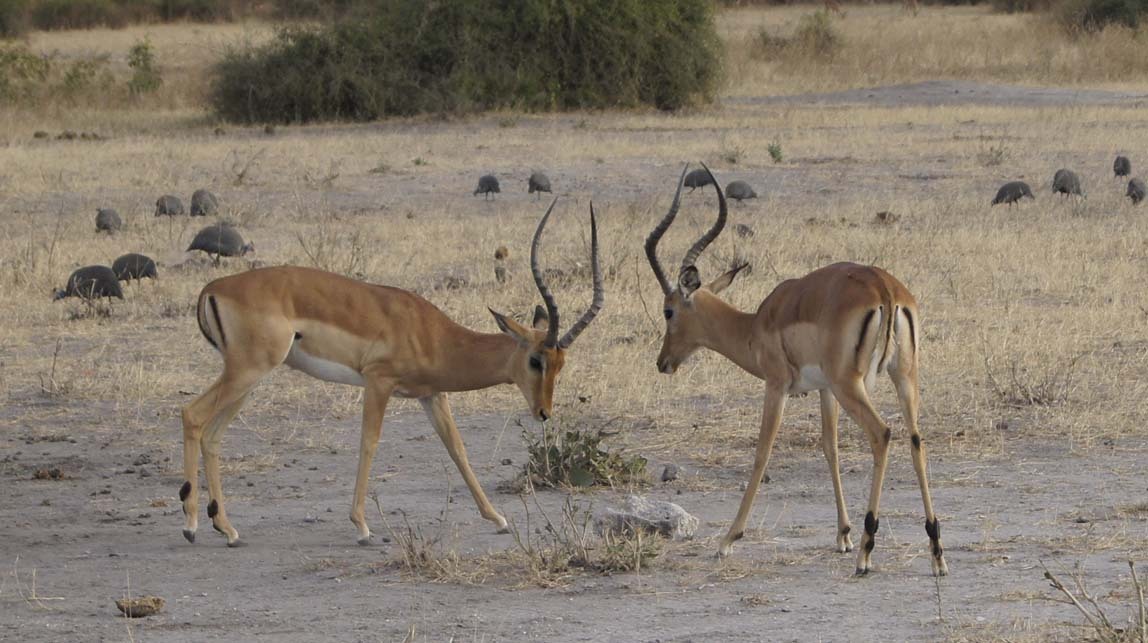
[476,55]
[1084,16]
[816,34]
[577,459]
[21,72]
[145,74]
[815,37]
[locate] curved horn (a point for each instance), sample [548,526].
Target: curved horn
[708,237]
[599,291]
[659,230]
[547,298]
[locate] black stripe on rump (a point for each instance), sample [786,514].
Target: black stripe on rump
[218,324]
[861,337]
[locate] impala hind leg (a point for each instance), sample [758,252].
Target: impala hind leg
[377,393]
[203,423]
[854,398]
[904,374]
[438,410]
[770,423]
[829,416]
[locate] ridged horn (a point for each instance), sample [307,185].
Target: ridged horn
[708,237]
[659,230]
[547,298]
[599,291]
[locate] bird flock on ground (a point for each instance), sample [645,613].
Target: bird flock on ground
[1067,183]
[223,240]
[92,283]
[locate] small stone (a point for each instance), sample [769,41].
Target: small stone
[310,519]
[506,462]
[145,472]
[670,473]
[143,458]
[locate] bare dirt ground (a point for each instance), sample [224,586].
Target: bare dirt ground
[1016,484]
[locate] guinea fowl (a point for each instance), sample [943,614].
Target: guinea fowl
[90,283]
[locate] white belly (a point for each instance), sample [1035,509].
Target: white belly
[810,378]
[322,369]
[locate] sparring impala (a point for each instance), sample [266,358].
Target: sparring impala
[386,340]
[831,331]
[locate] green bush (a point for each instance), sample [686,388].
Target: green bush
[21,72]
[145,73]
[1077,16]
[411,57]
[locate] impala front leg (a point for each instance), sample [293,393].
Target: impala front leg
[375,397]
[829,417]
[770,423]
[438,410]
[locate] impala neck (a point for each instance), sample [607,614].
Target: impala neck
[475,360]
[728,331]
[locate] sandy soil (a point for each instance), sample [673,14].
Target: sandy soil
[110,525]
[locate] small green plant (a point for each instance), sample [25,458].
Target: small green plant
[146,76]
[774,150]
[21,72]
[576,458]
[419,161]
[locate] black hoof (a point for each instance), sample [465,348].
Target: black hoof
[189,535]
[861,572]
[365,542]
[237,543]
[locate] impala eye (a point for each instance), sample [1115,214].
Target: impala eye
[535,363]
[669,313]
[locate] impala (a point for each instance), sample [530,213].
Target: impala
[387,340]
[831,331]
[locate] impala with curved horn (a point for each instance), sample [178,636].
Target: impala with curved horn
[387,340]
[831,331]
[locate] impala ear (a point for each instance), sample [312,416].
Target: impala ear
[541,319]
[689,280]
[511,327]
[723,282]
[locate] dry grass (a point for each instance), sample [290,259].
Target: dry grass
[886,45]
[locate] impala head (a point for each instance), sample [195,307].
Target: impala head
[541,353]
[685,332]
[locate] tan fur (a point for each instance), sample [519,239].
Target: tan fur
[393,341]
[815,321]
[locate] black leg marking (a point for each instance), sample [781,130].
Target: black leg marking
[215,313]
[845,530]
[871,524]
[888,435]
[861,337]
[212,509]
[298,336]
[738,536]
[916,441]
[933,528]
[185,491]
